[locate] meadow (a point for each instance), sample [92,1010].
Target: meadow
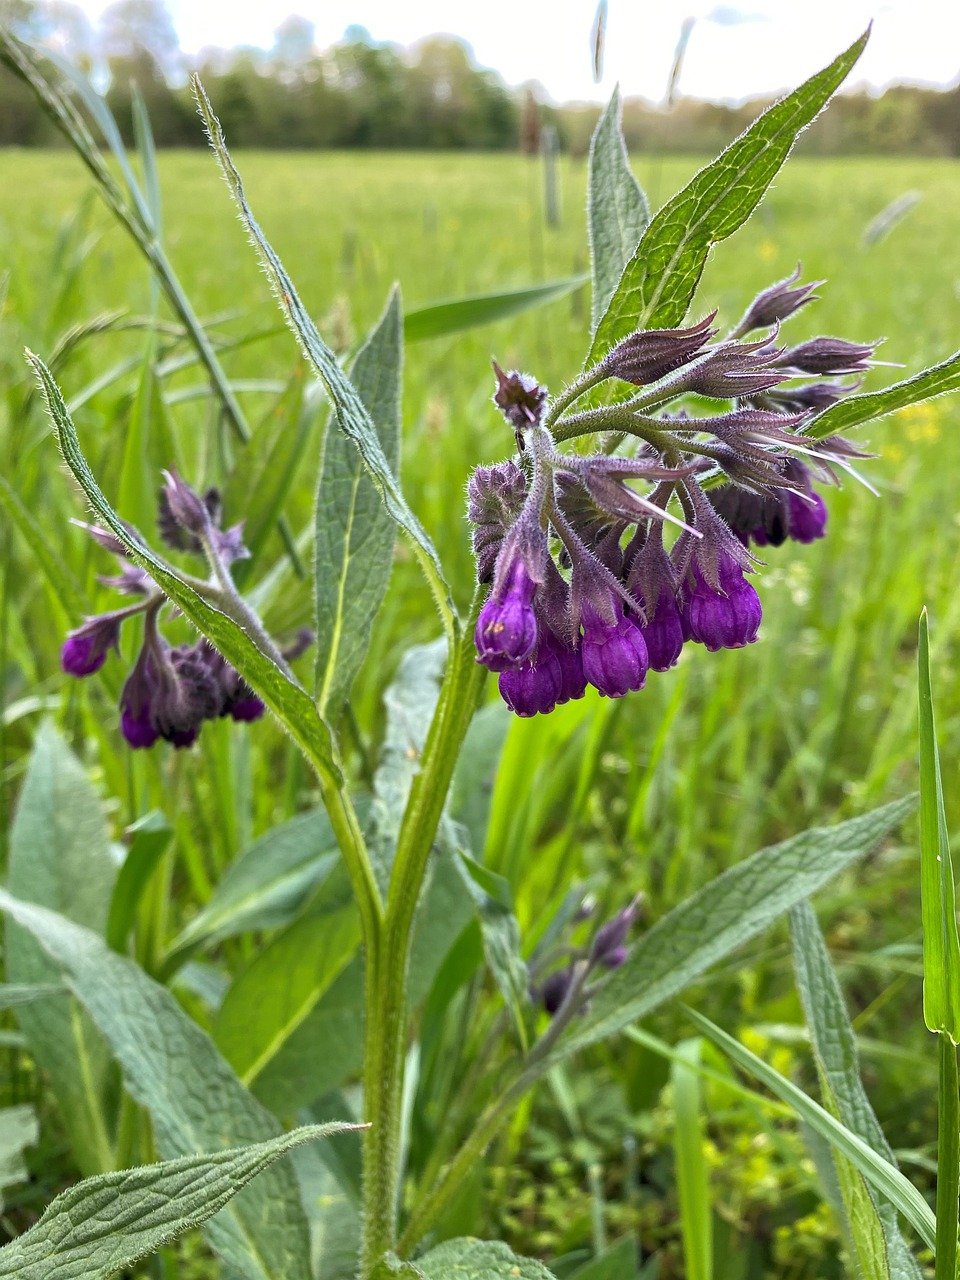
[652,794]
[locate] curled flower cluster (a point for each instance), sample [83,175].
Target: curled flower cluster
[584,586]
[170,690]
[567,985]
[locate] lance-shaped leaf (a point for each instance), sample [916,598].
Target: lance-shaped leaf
[105,1224]
[351,415]
[148,838]
[880,1246]
[883,1176]
[660,279]
[18,1130]
[354,530]
[617,208]
[853,411]
[61,857]
[286,700]
[470,1259]
[196,1102]
[266,885]
[725,913]
[443,318]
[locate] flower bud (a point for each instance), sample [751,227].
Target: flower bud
[777,303]
[615,659]
[806,516]
[609,942]
[519,397]
[85,649]
[734,369]
[183,517]
[506,631]
[495,497]
[723,617]
[555,989]
[663,634]
[829,356]
[650,354]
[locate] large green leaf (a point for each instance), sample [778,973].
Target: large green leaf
[941,946]
[660,279]
[326,1048]
[273,997]
[725,913]
[105,1224]
[855,410]
[196,1102]
[61,857]
[443,318]
[266,885]
[838,1065]
[354,531]
[617,209]
[351,415]
[469,1259]
[285,698]
[883,1176]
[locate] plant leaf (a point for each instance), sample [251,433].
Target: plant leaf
[660,279]
[61,857]
[105,1224]
[196,1102]
[443,318]
[150,837]
[18,1129]
[617,208]
[838,1066]
[64,590]
[351,415]
[267,884]
[693,1177]
[853,411]
[501,939]
[286,700]
[469,1259]
[883,1176]
[619,1262]
[734,907]
[941,944]
[282,986]
[354,531]
[14,994]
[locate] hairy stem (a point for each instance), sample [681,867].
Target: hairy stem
[386,1010]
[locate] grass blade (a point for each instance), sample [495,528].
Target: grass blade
[693,1185]
[443,318]
[941,944]
[883,1176]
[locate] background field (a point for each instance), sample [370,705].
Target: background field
[652,793]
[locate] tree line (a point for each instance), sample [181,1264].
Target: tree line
[364,93]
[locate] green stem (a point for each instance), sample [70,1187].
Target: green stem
[948,1161]
[386,1009]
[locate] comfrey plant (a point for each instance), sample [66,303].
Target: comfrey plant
[697,451]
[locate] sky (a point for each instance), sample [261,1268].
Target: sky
[736,51]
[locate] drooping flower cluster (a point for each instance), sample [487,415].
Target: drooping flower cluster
[171,689]
[584,586]
[608,949]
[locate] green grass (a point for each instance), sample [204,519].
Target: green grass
[726,753]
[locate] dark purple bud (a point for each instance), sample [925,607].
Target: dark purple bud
[650,354]
[519,397]
[555,989]
[495,498]
[105,537]
[136,702]
[806,516]
[734,369]
[554,675]
[610,939]
[183,517]
[85,649]
[829,356]
[663,634]
[506,631]
[726,616]
[615,659]
[137,727]
[777,303]
[247,708]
